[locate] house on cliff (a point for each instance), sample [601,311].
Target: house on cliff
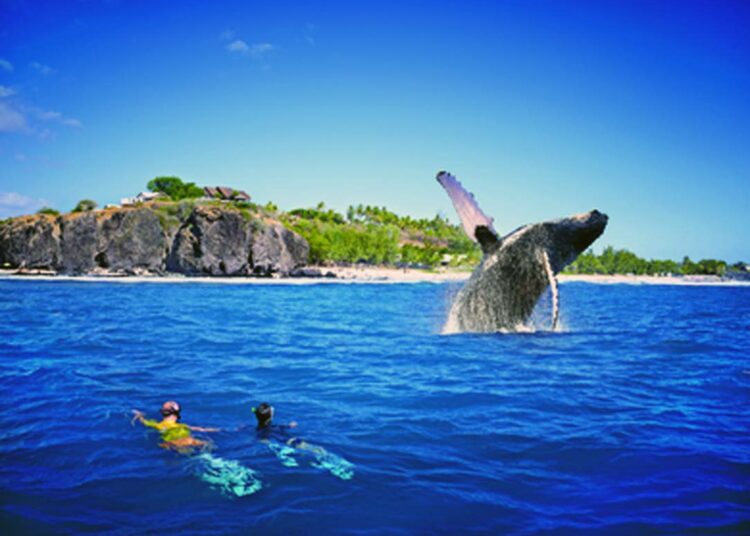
[225,193]
[142,197]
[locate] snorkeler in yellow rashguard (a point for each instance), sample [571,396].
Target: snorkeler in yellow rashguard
[174,434]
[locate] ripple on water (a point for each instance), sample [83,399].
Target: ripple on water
[632,420]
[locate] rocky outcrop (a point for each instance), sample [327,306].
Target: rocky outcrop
[31,242]
[78,243]
[132,240]
[276,249]
[210,240]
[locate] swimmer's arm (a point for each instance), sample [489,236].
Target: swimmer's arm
[138,416]
[202,429]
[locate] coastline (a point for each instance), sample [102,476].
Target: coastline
[341,275]
[368,274]
[685,280]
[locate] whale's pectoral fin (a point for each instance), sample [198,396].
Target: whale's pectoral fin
[552,280]
[476,224]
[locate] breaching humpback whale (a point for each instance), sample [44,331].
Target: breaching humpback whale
[515,269]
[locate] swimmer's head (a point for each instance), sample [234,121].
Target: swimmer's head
[170,408]
[264,414]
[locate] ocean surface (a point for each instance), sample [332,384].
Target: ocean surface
[634,419]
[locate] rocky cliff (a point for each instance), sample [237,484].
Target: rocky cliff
[192,240]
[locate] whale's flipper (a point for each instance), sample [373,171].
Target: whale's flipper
[476,224]
[553,286]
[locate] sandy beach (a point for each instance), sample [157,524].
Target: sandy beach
[688,280]
[342,275]
[361,274]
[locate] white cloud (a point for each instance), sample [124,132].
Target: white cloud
[21,119]
[44,70]
[256,51]
[5,65]
[55,117]
[238,45]
[6,91]
[15,204]
[12,120]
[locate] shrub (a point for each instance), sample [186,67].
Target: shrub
[49,211]
[181,211]
[245,205]
[85,205]
[175,188]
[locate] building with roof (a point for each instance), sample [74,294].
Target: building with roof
[225,193]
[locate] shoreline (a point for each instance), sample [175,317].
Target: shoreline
[685,280]
[354,275]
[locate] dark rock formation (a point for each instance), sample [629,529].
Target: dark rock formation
[78,243]
[312,273]
[132,240]
[209,240]
[277,250]
[30,242]
[212,242]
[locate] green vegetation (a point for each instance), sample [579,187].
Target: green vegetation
[180,210]
[175,188]
[85,205]
[621,261]
[378,236]
[244,205]
[49,211]
[271,207]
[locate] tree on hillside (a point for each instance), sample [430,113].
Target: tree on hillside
[175,188]
[49,211]
[85,205]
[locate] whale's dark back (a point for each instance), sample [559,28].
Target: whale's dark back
[504,289]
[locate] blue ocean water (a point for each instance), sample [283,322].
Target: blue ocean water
[634,419]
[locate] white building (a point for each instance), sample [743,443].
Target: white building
[142,197]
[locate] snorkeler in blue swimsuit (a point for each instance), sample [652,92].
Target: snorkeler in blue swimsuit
[285,446]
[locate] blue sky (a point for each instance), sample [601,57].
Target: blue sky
[542,109]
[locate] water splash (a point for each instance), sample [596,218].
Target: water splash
[228,476]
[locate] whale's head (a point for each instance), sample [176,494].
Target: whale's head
[567,238]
